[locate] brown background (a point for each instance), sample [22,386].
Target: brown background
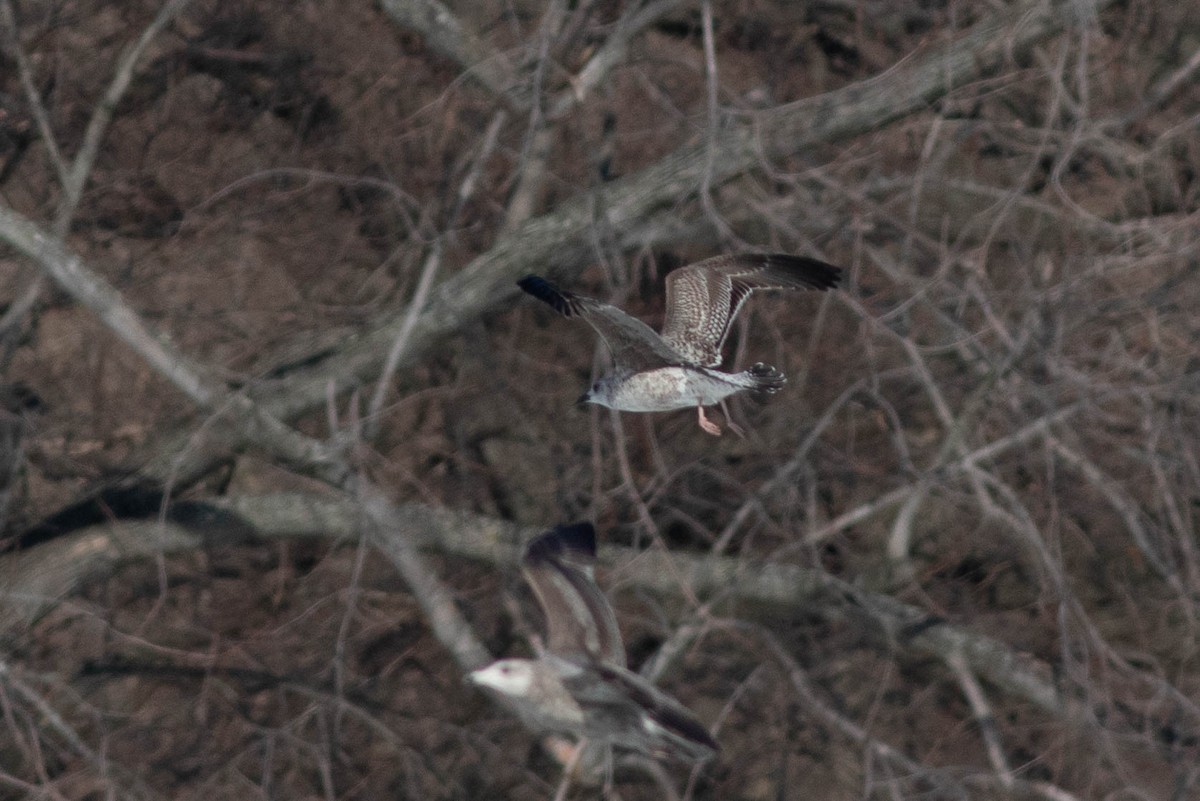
[977,497]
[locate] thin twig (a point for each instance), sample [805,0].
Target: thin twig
[1126,507]
[966,463]
[984,718]
[13,679]
[814,705]
[535,156]
[34,579]
[632,23]
[448,36]
[394,535]
[294,448]
[432,262]
[75,177]
[712,131]
[639,209]
[32,95]
[81,165]
[1161,92]
[188,375]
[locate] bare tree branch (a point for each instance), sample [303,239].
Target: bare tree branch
[38,577]
[301,452]
[190,377]
[1000,397]
[32,95]
[432,262]
[611,54]
[560,242]
[75,177]
[15,680]
[542,127]
[81,165]
[984,718]
[448,36]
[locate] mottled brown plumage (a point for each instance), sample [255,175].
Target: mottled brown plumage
[677,369]
[704,298]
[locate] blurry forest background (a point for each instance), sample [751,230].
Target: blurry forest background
[276,420]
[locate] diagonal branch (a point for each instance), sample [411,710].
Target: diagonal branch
[35,579]
[560,242]
[191,378]
[447,36]
[635,208]
[74,176]
[300,452]
[81,166]
[36,107]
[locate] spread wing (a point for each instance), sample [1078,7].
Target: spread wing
[648,718]
[579,620]
[704,298]
[633,343]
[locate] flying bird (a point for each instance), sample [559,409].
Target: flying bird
[579,684]
[677,369]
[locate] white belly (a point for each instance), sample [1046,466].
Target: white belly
[672,388]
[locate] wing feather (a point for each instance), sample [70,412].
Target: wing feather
[645,713]
[633,344]
[704,298]
[580,622]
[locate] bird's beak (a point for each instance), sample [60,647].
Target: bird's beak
[584,400]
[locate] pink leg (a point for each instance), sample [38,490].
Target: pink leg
[569,770]
[734,427]
[706,424]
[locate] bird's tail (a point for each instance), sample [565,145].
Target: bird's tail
[765,378]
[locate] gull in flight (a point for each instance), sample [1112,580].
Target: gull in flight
[579,684]
[677,369]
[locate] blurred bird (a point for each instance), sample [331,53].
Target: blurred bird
[677,369]
[579,684]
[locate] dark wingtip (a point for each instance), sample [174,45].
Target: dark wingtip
[529,282]
[686,737]
[767,378]
[694,741]
[548,293]
[709,747]
[812,273]
[563,541]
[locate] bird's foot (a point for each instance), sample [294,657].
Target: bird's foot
[708,425]
[734,427]
[572,754]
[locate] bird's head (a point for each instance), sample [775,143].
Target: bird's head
[507,676]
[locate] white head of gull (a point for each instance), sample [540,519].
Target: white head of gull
[579,685]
